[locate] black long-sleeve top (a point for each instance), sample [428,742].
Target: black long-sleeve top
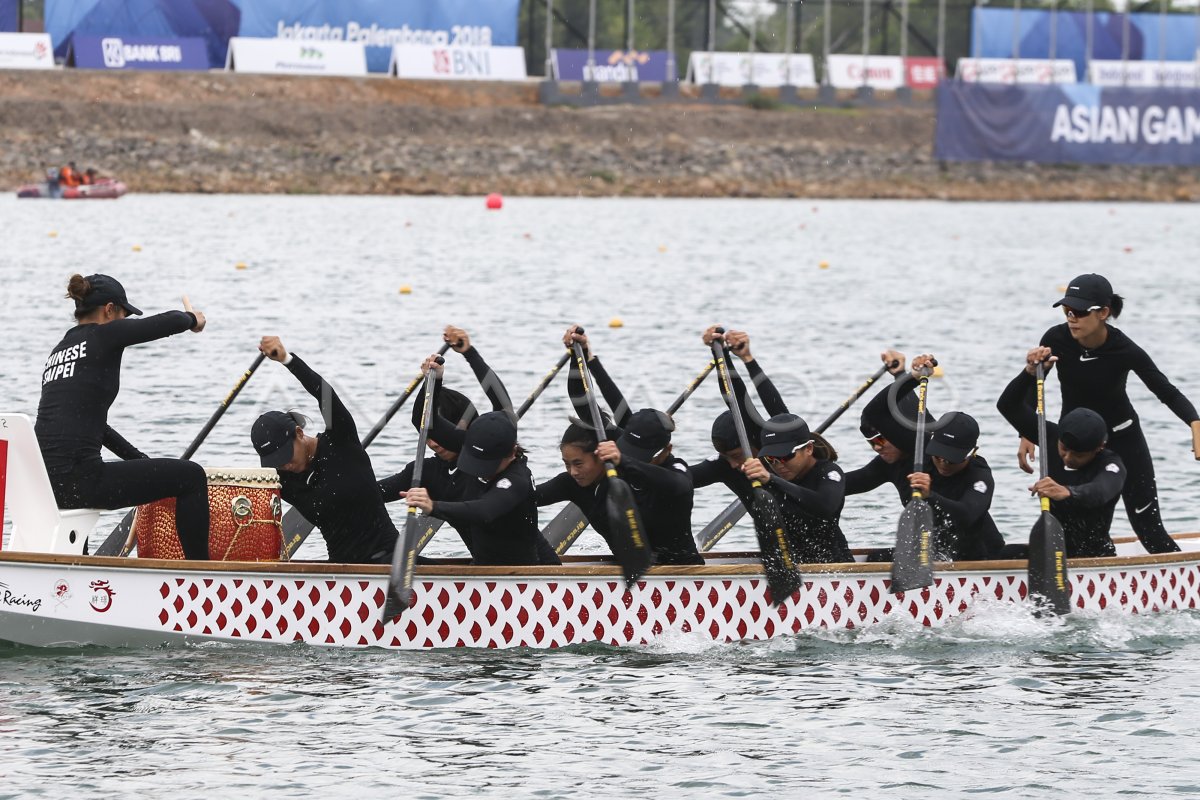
[80,382]
[496,518]
[812,507]
[446,432]
[612,395]
[961,503]
[664,499]
[1086,515]
[338,492]
[1096,379]
[877,472]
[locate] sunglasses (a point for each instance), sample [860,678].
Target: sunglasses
[1074,314]
[774,460]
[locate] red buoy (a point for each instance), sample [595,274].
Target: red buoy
[494,201]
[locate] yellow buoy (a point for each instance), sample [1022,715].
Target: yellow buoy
[824,265]
[662,248]
[240,265]
[137,248]
[938,373]
[53,234]
[616,322]
[406,289]
[1061,289]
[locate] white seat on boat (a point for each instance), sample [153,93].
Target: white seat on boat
[38,524]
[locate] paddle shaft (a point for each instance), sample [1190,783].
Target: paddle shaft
[912,560]
[570,523]
[296,528]
[1047,570]
[724,522]
[120,541]
[404,558]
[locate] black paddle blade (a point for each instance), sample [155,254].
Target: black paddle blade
[295,530]
[912,562]
[628,535]
[404,560]
[115,543]
[783,576]
[1047,576]
[565,528]
[713,531]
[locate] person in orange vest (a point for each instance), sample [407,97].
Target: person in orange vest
[69,175]
[89,176]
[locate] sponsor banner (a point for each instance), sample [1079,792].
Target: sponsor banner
[923,73]
[994,28]
[759,69]
[1068,124]
[422,62]
[1025,70]
[878,72]
[26,51]
[379,25]
[288,57]
[137,52]
[1145,73]
[8,16]
[612,66]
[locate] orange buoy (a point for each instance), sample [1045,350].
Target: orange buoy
[494,201]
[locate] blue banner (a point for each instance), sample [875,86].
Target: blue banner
[137,52]
[378,24]
[1079,124]
[8,16]
[992,32]
[613,66]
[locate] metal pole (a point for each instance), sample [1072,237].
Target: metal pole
[591,62]
[629,26]
[903,28]
[672,72]
[1090,20]
[549,38]
[1162,40]
[977,38]
[825,46]
[1016,54]
[789,33]
[1053,39]
[941,34]
[866,40]
[1125,48]
[712,26]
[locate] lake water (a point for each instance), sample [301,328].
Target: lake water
[999,703]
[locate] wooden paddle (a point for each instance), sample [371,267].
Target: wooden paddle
[1047,575]
[724,522]
[627,535]
[121,541]
[570,523]
[434,525]
[404,558]
[912,559]
[295,527]
[783,577]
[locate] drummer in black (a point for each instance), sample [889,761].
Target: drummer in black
[1094,361]
[79,384]
[726,466]
[1085,477]
[328,477]
[808,485]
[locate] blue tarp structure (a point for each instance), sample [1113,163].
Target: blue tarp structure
[992,36]
[8,16]
[212,20]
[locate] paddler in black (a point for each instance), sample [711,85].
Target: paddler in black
[79,384]
[490,500]
[893,440]
[958,484]
[328,477]
[808,485]
[726,466]
[1085,478]
[1094,362]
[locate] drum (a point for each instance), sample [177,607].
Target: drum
[245,519]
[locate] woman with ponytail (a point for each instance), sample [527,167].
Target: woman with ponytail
[79,384]
[1094,360]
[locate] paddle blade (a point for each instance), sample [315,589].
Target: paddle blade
[565,528]
[295,530]
[628,536]
[713,531]
[404,559]
[115,543]
[783,576]
[1047,574]
[912,562]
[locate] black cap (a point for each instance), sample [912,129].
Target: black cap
[1087,292]
[489,440]
[104,290]
[647,432]
[877,420]
[955,439]
[274,438]
[724,433]
[782,434]
[1082,430]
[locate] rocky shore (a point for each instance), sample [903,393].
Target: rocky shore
[218,132]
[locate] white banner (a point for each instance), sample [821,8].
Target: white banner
[882,72]
[760,69]
[427,62]
[1022,70]
[26,51]
[296,57]
[1145,73]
